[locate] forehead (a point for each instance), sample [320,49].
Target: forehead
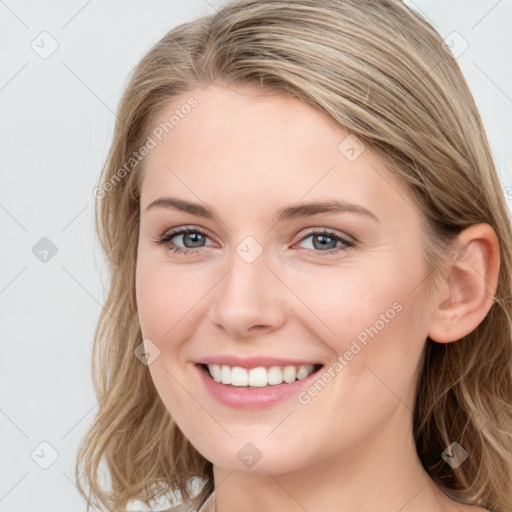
[258,149]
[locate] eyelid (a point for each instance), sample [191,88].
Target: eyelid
[335,232]
[310,231]
[180,230]
[347,241]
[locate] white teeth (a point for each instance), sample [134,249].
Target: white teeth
[275,375]
[258,377]
[216,372]
[290,373]
[239,376]
[303,372]
[225,375]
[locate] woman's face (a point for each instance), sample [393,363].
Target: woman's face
[259,286]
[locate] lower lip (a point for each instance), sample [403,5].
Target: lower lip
[240,397]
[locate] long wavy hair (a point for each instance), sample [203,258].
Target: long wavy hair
[380,71]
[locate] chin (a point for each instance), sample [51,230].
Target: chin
[255,457]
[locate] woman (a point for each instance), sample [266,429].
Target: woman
[309,306]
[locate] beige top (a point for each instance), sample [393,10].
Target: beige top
[208,506]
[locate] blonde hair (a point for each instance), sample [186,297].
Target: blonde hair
[381,72]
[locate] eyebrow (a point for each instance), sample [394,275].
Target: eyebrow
[290,212]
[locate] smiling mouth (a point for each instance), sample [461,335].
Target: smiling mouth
[255,378]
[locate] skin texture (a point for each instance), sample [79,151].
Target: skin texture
[245,155]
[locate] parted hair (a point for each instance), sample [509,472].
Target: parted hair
[381,72]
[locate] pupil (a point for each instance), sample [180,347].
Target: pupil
[197,235]
[322,244]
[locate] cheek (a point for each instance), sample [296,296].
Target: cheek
[346,300]
[152,302]
[367,315]
[379,335]
[164,298]
[164,310]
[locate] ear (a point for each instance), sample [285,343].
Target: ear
[467,292]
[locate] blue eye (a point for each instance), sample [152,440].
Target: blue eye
[324,239]
[196,237]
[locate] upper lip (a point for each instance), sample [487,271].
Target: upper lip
[254,362]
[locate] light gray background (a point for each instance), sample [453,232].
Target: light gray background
[57,123]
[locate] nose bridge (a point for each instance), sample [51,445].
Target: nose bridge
[249,294]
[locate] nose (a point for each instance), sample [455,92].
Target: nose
[249,300]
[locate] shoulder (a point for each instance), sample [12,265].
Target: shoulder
[472,508]
[182,507]
[189,506]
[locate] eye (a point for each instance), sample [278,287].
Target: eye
[194,237]
[326,239]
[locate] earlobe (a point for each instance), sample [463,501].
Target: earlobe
[467,293]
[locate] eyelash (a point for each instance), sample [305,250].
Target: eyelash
[165,240]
